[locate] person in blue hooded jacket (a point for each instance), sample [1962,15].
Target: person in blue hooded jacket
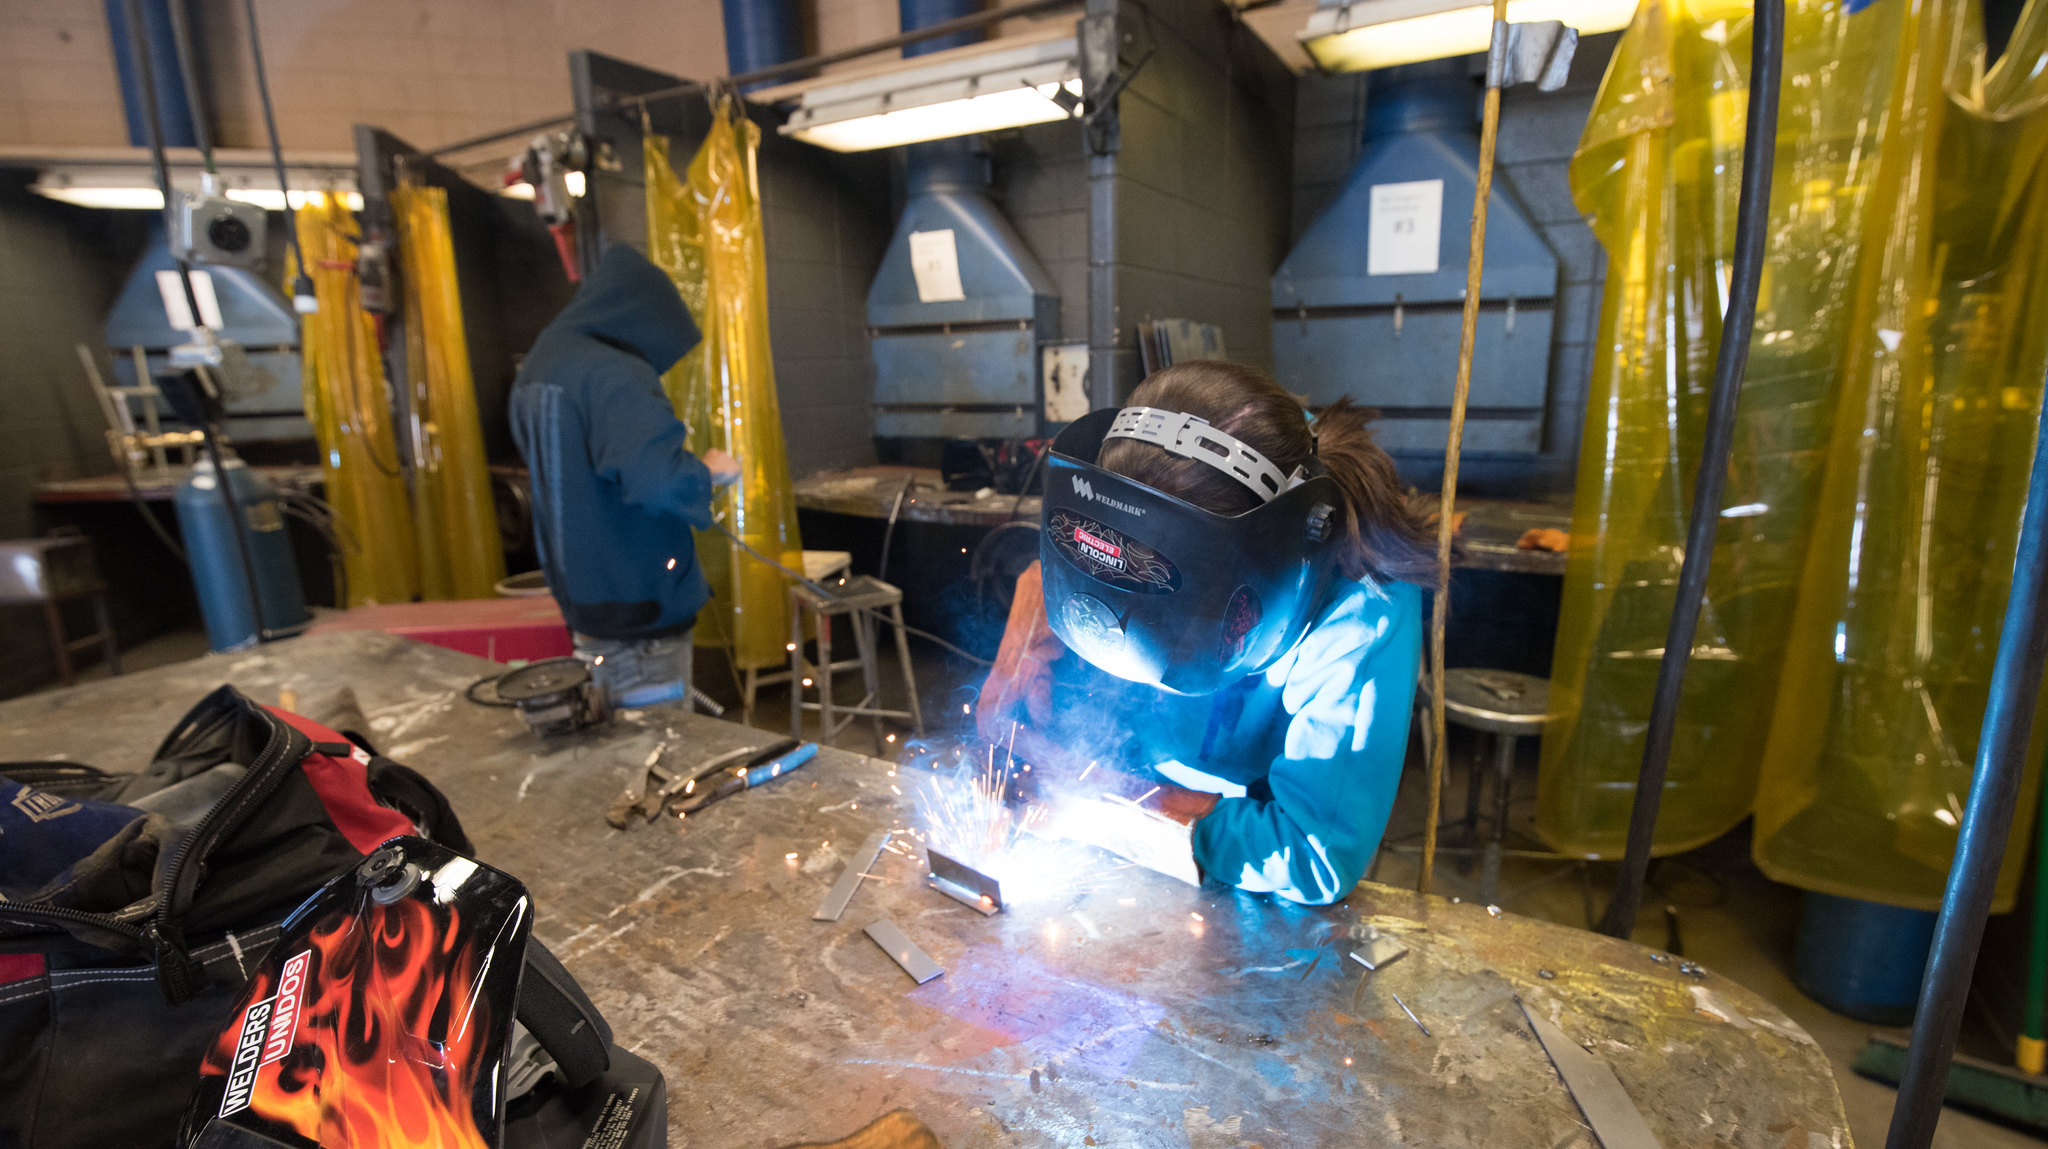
[1280,782]
[615,489]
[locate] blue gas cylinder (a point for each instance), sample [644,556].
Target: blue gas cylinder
[217,566]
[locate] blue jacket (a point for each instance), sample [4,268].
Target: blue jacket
[1306,756]
[615,490]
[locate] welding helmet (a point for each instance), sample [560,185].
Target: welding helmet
[1154,589]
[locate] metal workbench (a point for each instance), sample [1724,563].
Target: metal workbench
[1490,529]
[1113,1017]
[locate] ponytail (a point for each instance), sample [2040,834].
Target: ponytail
[1383,535]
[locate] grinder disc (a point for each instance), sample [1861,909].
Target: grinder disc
[543,682]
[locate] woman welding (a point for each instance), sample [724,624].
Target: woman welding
[1221,636]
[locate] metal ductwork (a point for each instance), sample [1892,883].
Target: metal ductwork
[761,34]
[265,401]
[960,307]
[1368,303]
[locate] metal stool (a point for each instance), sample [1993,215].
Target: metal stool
[856,597]
[1507,705]
[52,572]
[819,566]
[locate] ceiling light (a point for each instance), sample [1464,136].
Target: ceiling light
[980,88]
[1354,35]
[124,178]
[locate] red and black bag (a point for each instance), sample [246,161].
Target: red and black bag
[133,907]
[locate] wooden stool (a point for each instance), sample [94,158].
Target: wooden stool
[1508,705]
[863,598]
[819,566]
[52,572]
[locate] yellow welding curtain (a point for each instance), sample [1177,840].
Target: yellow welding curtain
[1938,389]
[454,516]
[349,404]
[704,229]
[1844,479]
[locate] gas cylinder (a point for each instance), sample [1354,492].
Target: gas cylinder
[217,571]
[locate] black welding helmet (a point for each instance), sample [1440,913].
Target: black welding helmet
[1156,590]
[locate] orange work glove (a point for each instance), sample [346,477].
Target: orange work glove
[1018,690]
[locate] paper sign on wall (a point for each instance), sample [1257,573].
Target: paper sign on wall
[1066,382]
[935,262]
[1407,228]
[178,310]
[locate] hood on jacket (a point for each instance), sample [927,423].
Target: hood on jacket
[630,303]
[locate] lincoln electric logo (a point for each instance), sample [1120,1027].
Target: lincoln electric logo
[1087,491]
[1101,550]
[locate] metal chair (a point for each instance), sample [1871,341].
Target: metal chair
[821,567]
[1508,705]
[51,572]
[862,598]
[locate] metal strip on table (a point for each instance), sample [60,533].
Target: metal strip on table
[898,945]
[1615,1119]
[857,867]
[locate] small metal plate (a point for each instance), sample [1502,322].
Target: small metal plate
[857,866]
[898,946]
[976,883]
[1379,953]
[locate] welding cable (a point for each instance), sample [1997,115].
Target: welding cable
[889,532]
[827,592]
[1752,217]
[188,71]
[302,283]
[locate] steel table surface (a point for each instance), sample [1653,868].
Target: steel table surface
[1111,1017]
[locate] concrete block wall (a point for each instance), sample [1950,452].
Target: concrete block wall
[60,269]
[1041,183]
[827,219]
[1538,133]
[1203,177]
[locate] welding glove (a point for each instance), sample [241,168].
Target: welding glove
[1016,697]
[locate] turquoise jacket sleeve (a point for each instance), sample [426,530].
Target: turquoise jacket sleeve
[1347,688]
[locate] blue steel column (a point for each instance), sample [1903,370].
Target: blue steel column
[912,15]
[761,34]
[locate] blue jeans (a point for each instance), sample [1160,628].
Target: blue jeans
[640,672]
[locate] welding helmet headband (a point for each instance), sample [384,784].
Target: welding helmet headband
[1153,589]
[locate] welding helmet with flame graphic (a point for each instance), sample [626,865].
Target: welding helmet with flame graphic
[1154,589]
[406,1006]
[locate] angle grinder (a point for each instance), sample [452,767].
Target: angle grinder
[554,695]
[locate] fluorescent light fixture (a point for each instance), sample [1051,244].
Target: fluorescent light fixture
[1354,35]
[122,178]
[1005,83]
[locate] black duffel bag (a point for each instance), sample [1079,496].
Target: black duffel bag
[134,906]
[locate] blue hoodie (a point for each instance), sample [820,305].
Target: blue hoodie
[615,490]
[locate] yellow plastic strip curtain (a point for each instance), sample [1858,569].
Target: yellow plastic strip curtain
[349,404]
[457,524]
[705,230]
[1657,172]
[1890,651]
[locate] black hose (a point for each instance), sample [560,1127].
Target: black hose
[188,71]
[302,283]
[889,532]
[152,122]
[1752,217]
[1980,845]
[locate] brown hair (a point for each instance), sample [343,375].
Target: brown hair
[1382,534]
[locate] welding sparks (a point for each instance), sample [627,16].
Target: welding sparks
[968,813]
[789,857]
[1085,773]
[1196,916]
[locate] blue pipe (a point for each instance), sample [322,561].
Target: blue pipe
[1987,821]
[915,14]
[761,34]
[173,109]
